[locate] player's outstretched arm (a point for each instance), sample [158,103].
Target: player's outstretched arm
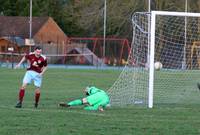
[21,61]
[94,108]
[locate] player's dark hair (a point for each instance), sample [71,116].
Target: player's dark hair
[37,48]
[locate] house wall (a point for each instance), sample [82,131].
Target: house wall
[4,53]
[51,36]
[5,44]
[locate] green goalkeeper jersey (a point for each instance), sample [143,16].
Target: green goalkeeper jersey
[96,98]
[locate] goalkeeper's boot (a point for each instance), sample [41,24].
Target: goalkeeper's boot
[63,104]
[198,85]
[36,105]
[19,105]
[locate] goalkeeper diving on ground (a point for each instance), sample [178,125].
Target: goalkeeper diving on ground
[96,99]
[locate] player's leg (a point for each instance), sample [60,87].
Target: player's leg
[91,100]
[37,96]
[74,103]
[21,96]
[27,79]
[37,82]
[63,104]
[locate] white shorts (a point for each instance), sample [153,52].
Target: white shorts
[32,76]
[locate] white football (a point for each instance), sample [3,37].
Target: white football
[158,65]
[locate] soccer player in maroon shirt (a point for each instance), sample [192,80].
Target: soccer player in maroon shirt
[37,66]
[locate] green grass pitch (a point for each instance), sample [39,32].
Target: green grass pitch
[63,84]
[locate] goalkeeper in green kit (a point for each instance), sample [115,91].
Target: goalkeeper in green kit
[96,99]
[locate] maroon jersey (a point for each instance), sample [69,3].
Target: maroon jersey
[36,63]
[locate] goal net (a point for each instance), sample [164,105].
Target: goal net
[174,41]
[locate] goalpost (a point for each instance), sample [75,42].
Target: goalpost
[152,50]
[139,83]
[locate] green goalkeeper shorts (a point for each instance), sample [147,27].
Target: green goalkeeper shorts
[100,98]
